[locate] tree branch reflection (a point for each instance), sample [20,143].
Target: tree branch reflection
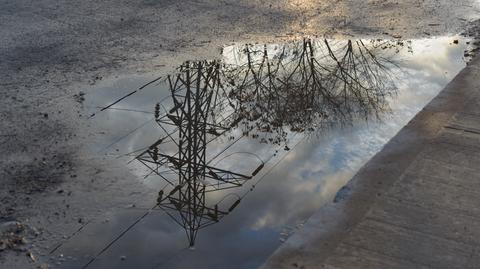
[269,93]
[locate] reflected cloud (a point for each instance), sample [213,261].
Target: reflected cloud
[209,131]
[269,94]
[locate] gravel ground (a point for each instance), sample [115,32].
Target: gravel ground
[51,186]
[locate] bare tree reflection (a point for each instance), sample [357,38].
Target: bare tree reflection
[303,86]
[269,93]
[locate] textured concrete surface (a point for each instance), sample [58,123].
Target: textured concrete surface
[416,204]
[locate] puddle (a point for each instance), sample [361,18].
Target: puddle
[251,145]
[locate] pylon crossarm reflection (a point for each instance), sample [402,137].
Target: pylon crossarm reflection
[295,89]
[189,124]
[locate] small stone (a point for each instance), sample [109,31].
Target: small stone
[123,258]
[30,255]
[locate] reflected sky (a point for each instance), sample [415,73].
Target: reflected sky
[294,183]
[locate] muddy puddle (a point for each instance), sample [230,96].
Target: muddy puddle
[240,151]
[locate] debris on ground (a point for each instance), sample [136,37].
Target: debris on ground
[80,97]
[31,256]
[12,236]
[473,31]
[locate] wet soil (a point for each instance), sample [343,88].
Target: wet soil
[49,50]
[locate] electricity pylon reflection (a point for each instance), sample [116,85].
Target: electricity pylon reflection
[191,125]
[295,89]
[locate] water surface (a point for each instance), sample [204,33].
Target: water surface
[252,146]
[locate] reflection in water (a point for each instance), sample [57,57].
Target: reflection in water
[293,89]
[195,93]
[302,86]
[244,119]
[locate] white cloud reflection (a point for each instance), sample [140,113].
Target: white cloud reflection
[306,178]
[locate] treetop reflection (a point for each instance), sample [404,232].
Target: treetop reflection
[265,93]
